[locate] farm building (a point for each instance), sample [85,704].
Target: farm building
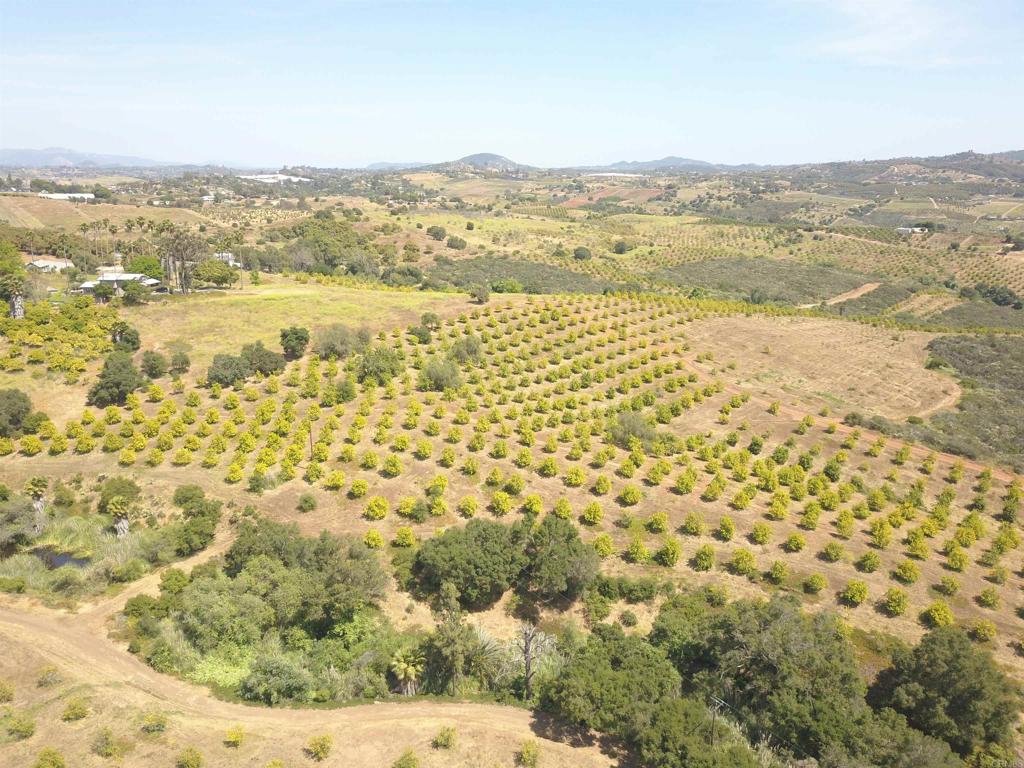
[117,281]
[50,265]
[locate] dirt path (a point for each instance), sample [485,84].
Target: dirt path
[839,298]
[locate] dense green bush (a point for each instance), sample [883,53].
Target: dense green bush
[950,689]
[15,406]
[118,379]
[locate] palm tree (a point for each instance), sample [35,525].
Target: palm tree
[407,666]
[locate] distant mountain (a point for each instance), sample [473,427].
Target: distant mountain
[394,166]
[665,164]
[61,157]
[670,164]
[484,161]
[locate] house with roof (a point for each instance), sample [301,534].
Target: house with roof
[117,281]
[50,265]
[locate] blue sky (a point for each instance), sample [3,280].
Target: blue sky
[348,83]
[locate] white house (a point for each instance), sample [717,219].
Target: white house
[50,265]
[117,281]
[228,258]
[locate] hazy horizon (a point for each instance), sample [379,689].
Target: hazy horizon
[780,82]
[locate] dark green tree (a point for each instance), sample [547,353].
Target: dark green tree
[294,341]
[154,364]
[15,406]
[950,688]
[481,560]
[560,564]
[118,379]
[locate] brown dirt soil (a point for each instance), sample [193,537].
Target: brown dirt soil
[856,293]
[846,366]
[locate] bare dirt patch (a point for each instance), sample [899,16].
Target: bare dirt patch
[856,293]
[846,366]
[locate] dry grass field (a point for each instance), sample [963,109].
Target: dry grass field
[37,212]
[222,321]
[844,366]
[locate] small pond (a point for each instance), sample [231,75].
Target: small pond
[53,559]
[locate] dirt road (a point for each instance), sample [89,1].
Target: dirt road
[839,298]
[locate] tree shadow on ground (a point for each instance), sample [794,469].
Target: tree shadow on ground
[549,727]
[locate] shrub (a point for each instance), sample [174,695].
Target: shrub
[234,736]
[20,725]
[378,365]
[630,495]
[404,537]
[833,552]
[49,758]
[105,745]
[338,341]
[938,614]
[408,759]
[704,558]
[794,543]
[445,738]
[814,583]
[983,631]
[988,598]
[319,747]
[48,677]
[76,709]
[869,562]
[376,508]
[438,375]
[907,572]
[373,539]
[528,755]
[743,563]
[895,601]
[190,757]
[854,593]
[778,572]
[6,692]
[154,722]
